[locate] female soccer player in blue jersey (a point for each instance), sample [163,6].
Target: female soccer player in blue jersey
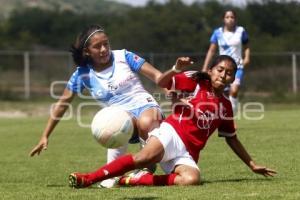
[111,78]
[232,40]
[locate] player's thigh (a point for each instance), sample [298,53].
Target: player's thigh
[152,153]
[187,175]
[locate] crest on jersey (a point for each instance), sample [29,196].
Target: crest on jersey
[112,87]
[136,58]
[204,119]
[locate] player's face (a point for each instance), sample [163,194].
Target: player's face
[229,19]
[99,49]
[221,75]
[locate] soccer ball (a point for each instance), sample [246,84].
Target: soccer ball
[112,127]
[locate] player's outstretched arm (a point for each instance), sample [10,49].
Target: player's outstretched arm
[56,113]
[150,72]
[209,55]
[181,63]
[246,60]
[241,152]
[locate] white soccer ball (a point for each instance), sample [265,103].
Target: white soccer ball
[112,127]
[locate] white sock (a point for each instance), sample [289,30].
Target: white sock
[113,154]
[234,102]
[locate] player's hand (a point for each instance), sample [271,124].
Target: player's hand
[263,170]
[42,145]
[182,62]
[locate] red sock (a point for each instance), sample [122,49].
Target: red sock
[158,180]
[167,179]
[115,168]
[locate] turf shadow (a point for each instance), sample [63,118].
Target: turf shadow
[235,180]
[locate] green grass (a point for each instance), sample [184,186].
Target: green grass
[273,141]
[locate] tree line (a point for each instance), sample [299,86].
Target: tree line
[163,28]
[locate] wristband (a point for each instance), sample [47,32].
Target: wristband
[175,70]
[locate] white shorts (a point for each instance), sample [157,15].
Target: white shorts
[175,151]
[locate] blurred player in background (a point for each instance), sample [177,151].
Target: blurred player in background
[111,78]
[176,144]
[232,40]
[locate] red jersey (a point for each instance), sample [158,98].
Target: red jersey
[194,124]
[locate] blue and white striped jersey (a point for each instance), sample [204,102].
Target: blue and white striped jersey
[230,43]
[117,85]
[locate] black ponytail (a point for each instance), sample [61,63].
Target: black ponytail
[199,76]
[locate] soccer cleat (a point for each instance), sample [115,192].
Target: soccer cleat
[108,183]
[133,178]
[77,180]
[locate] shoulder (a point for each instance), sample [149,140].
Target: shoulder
[216,35]
[120,51]
[189,74]
[225,100]
[183,81]
[205,84]
[218,31]
[240,29]
[119,55]
[82,70]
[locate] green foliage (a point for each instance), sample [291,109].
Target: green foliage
[76,6]
[170,27]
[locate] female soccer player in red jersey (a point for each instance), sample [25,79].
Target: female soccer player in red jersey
[176,144]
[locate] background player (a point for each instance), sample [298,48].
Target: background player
[232,40]
[176,144]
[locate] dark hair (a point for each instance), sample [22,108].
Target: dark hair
[229,10]
[82,40]
[198,76]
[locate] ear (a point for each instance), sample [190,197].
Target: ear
[209,72]
[86,52]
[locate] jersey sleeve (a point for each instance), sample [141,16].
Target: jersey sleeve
[245,37]
[134,61]
[183,82]
[226,128]
[214,37]
[75,83]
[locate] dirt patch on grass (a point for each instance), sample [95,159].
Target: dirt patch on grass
[36,111]
[13,114]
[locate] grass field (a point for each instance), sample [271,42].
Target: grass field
[273,141]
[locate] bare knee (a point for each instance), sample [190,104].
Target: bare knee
[145,125]
[189,180]
[187,175]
